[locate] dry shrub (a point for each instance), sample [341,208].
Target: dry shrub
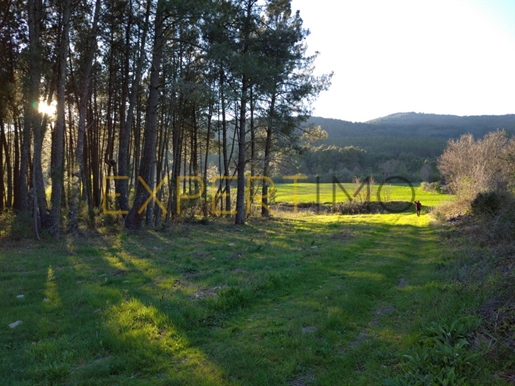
[451,211]
[486,246]
[496,216]
[471,166]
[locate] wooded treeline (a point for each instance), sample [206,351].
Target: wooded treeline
[403,144]
[145,92]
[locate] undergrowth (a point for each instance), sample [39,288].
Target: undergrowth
[481,235]
[443,356]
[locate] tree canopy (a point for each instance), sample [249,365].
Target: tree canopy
[154,99]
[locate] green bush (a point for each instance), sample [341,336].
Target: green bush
[16,226]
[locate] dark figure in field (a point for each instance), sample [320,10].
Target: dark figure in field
[418,205]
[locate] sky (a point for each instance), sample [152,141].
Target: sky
[438,56]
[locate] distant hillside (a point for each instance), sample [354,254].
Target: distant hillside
[443,126]
[403,144]
[422,135]
[415,125]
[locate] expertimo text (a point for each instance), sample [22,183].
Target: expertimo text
[250,197]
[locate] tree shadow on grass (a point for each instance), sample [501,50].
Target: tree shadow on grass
[193,307]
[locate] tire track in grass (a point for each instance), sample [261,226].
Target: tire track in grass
[322,326]
[410,243]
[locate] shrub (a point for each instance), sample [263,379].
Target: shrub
[451,210]
[488,203]
[16,226]
[496,212]
[471,166]
[433,187]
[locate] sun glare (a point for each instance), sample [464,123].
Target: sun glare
[47,109]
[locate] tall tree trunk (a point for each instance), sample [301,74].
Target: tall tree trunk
[177,159]
[225,144]
[9,171]
[208,141]
[245,86]
[134,218]
[21,203]
[96,150]
[57,161]
[94,163]
[69,150]
[39,188]
[2,187]
[18,137]
[252,152]
[266,162]
[109,124]
[161,163]
[9,144]
[34,124]
[195,144]
[125,129]
[78,173]
[240,194]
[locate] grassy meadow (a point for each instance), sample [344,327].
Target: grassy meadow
[334,193]
[294,300]
[329,193]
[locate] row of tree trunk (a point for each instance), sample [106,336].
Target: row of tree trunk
[153,100]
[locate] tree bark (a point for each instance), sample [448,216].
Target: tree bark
[3,144]
[125,130]
[266,162]
[2,187]
[32,115]
[208,141]
[57,161]
[240,194]
[78,171]
[146,172]
[226,158]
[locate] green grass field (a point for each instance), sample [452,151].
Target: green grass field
[296,300]
[302,192]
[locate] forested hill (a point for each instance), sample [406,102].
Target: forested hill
[415,125]
[406,144]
